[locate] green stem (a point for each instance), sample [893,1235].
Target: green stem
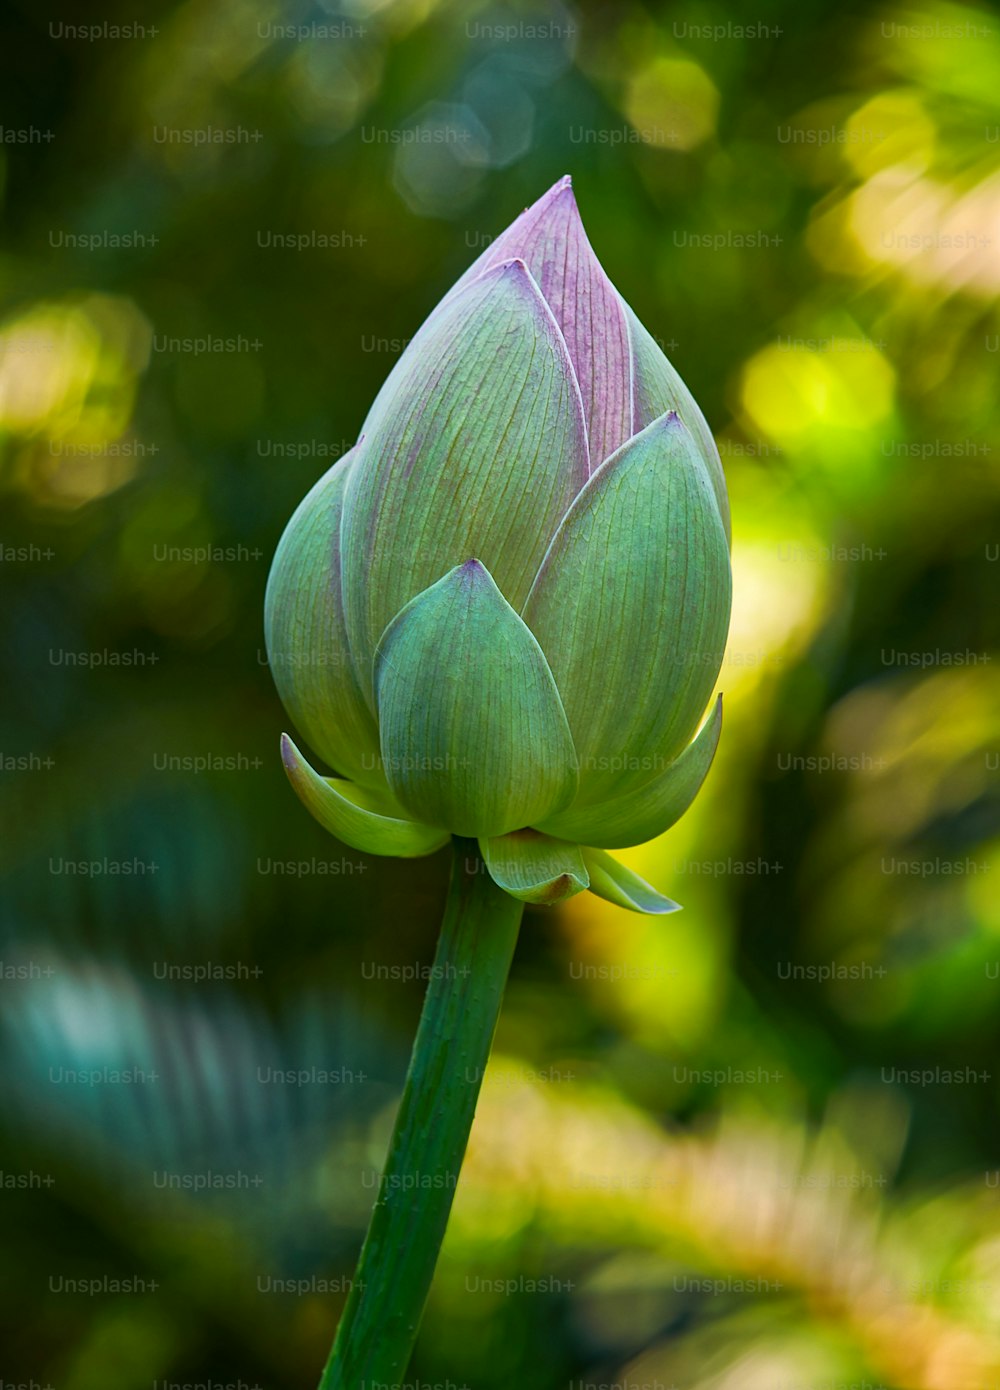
[382,1315]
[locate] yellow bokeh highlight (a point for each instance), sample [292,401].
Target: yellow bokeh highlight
[48,359]
[929,231]
[906,133]
[841,382]
[672,102]
[68,378]
[950,50]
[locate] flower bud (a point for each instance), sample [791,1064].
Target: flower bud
[502,615]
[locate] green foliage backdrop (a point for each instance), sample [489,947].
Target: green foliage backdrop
[751,1147]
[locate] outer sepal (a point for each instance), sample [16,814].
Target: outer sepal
[474,736]
[642,814]
[631,608]
[306,638]
[535,867]
[611,880]
[370,821]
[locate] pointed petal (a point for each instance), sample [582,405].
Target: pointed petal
[549,237]
[611,880]
[631,607]
[473,732]
[475,446]
[649,810]
[366,820]
[659,388]
[534,867]
[306,639]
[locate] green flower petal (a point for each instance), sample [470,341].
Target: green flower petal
[611,880]
[362,818]
[476,445]
[648,811]
[658,388]
[631,608]
[535,867]
[474,736]
[306,638]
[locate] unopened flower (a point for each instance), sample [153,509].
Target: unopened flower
[502,615]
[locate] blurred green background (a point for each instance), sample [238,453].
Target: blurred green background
[751,1147]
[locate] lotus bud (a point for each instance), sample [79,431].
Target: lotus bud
[503,613]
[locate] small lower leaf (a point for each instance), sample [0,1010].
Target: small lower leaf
[367,820]
[535,867]
[611,880]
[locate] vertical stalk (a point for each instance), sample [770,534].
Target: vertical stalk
[382,1315]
